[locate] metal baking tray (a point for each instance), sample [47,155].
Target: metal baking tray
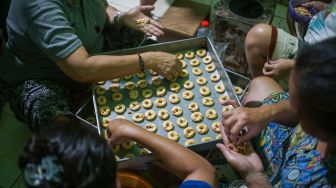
[175,47]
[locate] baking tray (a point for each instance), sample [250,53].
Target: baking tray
[174,47]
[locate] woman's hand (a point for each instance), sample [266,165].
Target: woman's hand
[242,124]
[118,131]
[279,68]
[318,5]
[163,63]
[137,20]
[244,165]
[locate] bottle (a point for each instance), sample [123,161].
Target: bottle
[203,30]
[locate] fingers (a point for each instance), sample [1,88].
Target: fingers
[228,124]
[235,131]
[155,23]
[224,136]
[230,102]
[147,8]
[226,152]
[153,30]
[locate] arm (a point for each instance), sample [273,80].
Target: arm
[83,68]
[184,162]
[257,180]
[255,119]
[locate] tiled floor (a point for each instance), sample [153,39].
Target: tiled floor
[14,134]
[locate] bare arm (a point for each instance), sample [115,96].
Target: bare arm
[184,162]
[84,68]
[282,113]
[257,180]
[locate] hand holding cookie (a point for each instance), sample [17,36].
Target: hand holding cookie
[137,20]
[165,64]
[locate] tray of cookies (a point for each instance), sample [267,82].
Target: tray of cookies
[186,110]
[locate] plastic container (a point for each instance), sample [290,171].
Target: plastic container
[297,16]
[203,31]
[131,180]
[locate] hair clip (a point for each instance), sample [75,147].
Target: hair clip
[48,170]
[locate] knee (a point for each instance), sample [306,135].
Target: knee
[258,38]
[262,81]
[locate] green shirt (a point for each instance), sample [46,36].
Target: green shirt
[43,32]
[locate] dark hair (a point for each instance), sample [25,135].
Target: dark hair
[315,69]
[86,158]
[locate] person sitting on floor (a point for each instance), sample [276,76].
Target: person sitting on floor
[270,51]
[72,155]
[291,156]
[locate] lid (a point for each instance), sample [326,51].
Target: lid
[205,23]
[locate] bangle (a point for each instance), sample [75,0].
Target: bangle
[116,17]
[141,63]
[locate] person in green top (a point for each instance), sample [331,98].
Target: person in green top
[47,64]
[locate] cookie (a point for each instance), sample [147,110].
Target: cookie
[156,80]
[188,84]
[172,135]
[101,100]
[216,127]
[206,139]
[207,59]
[129,86]
[201,81]
[168,125]
[100,90]
[114,87]
[184,73]
[189,142]
[117,96]
[101,82]
[160,102]
[201,52]
[205,91]
[163,114]
[208,101]
[214,77]
[219,136]
[193,107]
[120,108]
[161,91]
[104,110]
[177,111]
[147,103]
[142,84]
[227,108]
[184,64]
[196,71]
[115,80]
[105,121]
[195,62]
[128,77]
[127,145]
[175,87]
[223,98]
[152,72]
[151,127]
[133,94]
[174,98]
[134,106]
[150,115]
[141,75]
[179,56]
[238,90]
[116,148]
[182,122]
[189,132]
[147,93]
[202,129]
[219,88]
[211,114]
[189,54]
[196,117]
[138,117]
[188,95]
[210,68]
